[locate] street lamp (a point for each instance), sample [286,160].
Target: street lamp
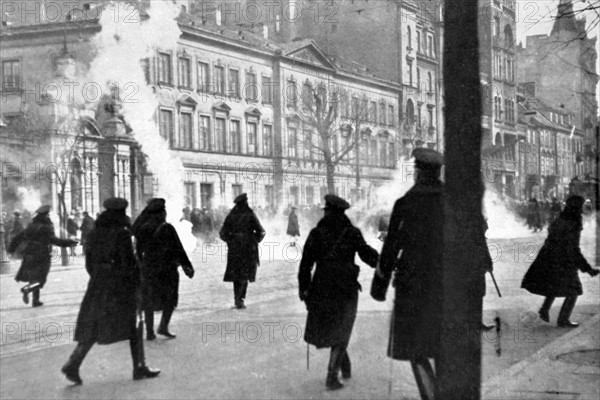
[4,261]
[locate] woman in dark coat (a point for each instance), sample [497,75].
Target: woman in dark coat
[331,295]
[36,247]
[293,229]
[108,310]
[554,271]
[242,232]
[161,253]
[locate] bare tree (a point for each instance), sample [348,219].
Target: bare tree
[61,136]
[336,135]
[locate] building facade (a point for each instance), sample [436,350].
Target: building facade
[561,71]
[233,108]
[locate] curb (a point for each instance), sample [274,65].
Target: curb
[498,381]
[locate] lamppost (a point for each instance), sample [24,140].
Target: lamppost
[4,261]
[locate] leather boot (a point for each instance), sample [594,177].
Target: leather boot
[565,313]
[545,309]
[346,366]
[163,328]
[333,382]
[36,298]
[140,369]
[71,368]
[149,320]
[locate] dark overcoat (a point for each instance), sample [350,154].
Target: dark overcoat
[554,271]
[293,229]
[108,311]
[333,289]
[416,228]
[242,232]
[161,253]
[36,243]
[86,227]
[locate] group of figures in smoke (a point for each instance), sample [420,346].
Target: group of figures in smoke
[540,214]
[128,282]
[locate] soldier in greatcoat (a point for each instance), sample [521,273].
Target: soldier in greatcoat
[416,228]
[554,273]
[36,243]
[160,252]
[108,310]
[293,228]
[242,232]
[331,294]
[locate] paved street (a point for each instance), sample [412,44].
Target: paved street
[258,352]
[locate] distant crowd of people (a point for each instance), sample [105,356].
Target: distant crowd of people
[540,214]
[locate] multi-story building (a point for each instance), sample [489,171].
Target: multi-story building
[551,153]
[407,34]
[562,69]
[232,107]
[499,123]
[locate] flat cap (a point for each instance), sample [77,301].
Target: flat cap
[156,205]
[43,210]
[115,203]
[242,198]
[333,202]
[427,158]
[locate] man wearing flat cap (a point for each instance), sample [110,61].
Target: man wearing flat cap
[109,308]
[160,252]
[331,293]
[242,232]
[416,228]
[36,243]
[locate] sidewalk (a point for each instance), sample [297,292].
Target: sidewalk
[259,353]
[568,368]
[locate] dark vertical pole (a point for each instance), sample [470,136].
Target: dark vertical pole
[279,98]
[459,363]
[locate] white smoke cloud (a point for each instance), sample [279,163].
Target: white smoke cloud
[122,44]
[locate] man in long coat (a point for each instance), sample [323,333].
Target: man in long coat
[242,232]
[161,253]
[36,247]
[331,294]
[293,228]
[554,273]
[86,227]
[416,228]
[108,310]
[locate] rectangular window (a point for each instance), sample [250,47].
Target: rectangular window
[383,151]
[391,115]
[292,141]
[382,113]
[392,155]
[418,41]
[251,131]
[220,79]
[373,112]
[203,77]
[310,195]
[236,137]
[373,152]
[206,195]
[184,72]
[234,83]
[185,131]
[291,93]
[430,112]
[267,90]
[307,142]
[166,125]
[307,96]
[165,72]
[204,131]
[11,75]
[430,46]
[354,107]
[220,135]
[251,86]
[268,140]
[190,194]
[269,195]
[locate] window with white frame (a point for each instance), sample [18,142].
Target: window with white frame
[165,72]
[204,77]
[204,133]
[236,137]
[184,72]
